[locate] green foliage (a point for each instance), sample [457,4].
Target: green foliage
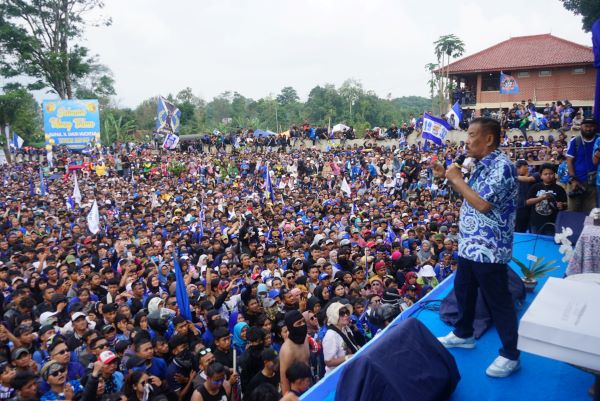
[19,109]
[117,125]
[350,104]
[538,270]
[176,168]
[588,9]
[446,48]
[35,41]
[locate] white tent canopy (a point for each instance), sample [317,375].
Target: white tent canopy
[339,128]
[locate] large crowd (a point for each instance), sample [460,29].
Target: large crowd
[293,258]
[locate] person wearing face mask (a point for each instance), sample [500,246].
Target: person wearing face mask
[339,343]
[295,348]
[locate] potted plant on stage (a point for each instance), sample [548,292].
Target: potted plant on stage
[534,272]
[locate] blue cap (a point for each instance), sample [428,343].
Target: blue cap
[273,294]
[324,276]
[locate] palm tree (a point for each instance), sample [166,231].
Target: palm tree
[447,47]
[431,67]
[117,127]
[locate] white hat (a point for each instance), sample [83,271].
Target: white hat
[77,315]
[426,271]
[48,318]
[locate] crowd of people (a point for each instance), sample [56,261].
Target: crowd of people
[292,260]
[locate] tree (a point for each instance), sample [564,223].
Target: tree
[287,96]
[446,48]
[351,90]
[432,83]
[19,110]
[38,40]
[588,9]
[117,126]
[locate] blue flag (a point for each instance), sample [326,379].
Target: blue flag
[183,302]
[168,117]
[435,129]
[455,111]
[508,85]
[201,221]
[42,183]
[390,235]
[17,141]
[269,185]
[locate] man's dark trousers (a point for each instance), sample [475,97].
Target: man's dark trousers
[492,279]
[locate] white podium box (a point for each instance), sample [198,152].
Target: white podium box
[563,323]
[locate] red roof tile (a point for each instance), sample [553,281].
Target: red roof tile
[523,52]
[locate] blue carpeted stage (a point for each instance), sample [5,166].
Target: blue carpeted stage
[539,378]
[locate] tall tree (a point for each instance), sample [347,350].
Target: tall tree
[288,95]
[446,48]
[588,9]
[432,83]
[19,110]
[38,39]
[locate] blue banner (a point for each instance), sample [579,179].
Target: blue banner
[508,85]
[73,123]
[168,117]
[435,129]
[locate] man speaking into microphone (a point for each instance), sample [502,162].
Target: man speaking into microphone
[487,220]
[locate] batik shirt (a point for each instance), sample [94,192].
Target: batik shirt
[488,237]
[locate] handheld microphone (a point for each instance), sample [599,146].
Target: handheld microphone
[460,159]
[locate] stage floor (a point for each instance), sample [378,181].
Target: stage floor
[538,379]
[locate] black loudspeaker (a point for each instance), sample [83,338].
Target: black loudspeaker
[574,220]
[406,363]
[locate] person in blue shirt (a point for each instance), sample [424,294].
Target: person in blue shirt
[154,366]
[487,219]
[582,169]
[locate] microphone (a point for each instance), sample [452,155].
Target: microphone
[460,159]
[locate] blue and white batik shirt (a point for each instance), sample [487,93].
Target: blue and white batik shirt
[488,237]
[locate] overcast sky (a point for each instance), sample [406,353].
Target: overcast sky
[256,47]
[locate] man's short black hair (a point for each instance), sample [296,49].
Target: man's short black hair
[548,166]
[490,126]
[298,371]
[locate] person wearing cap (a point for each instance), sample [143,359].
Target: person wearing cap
[487,219]
[268,374]
[59,387]
[583,159]
[22,361]
[114,380]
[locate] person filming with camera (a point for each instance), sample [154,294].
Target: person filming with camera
[582,166]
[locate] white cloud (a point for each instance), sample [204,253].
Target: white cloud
[258,46]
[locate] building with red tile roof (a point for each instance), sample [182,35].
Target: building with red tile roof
[547,68]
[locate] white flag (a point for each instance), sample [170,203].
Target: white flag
[93,219]
[346,187]
[76,192]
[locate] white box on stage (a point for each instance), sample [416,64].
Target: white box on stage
[563,323]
